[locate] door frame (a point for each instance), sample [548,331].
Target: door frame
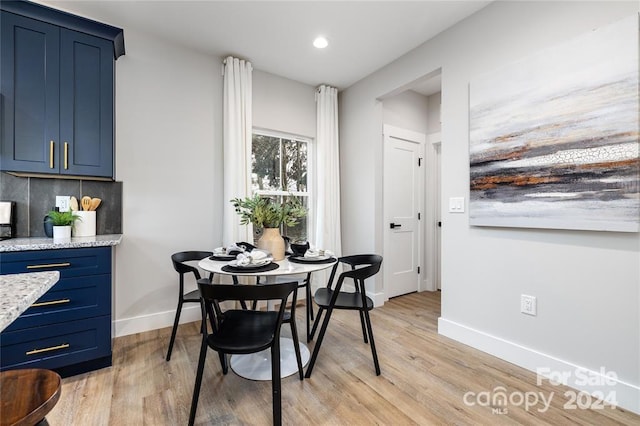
[433,186]
[420,139]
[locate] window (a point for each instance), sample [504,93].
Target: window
[280,169]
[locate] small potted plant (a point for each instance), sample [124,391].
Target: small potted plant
[62,222]
[264,212]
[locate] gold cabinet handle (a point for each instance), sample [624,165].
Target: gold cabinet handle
[51,302]
[51,348]
[49,265]
[66,155]
[51,147]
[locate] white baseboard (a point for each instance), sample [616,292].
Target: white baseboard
[154,321]
[378,298]
[547,367]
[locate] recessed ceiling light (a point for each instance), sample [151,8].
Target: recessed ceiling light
[320,42]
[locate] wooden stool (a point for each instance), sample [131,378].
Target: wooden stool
[27,396]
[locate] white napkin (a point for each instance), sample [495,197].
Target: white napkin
[235,247]
[253,257]
[258,255]
[223,251]
[311,253]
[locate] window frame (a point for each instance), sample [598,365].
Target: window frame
[311,176]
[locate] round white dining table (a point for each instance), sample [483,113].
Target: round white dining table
[257,366]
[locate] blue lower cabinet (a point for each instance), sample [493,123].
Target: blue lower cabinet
[69,328]
[70,299]
[80,262]
[57,345]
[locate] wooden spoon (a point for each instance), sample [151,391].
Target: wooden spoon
[95,202]
[86,203]
[73,204]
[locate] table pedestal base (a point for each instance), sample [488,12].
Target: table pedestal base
[257,366]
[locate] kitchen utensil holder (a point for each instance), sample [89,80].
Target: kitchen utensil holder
[85,226]
[7,220]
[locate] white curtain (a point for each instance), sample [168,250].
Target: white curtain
[327,223]
[237,128]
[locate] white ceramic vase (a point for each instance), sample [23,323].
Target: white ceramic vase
[61,233]
[272,241]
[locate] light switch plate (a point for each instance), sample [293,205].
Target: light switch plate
[62,202]
[456,205]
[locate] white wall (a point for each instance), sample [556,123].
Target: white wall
[407,110]
[283,105]
[587,283]
[169,157]
[433,115]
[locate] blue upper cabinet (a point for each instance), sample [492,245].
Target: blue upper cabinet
[30,73]
[86,105]
[57,81]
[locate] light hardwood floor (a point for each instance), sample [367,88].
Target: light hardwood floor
[424,379]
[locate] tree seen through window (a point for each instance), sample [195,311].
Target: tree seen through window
[280,169]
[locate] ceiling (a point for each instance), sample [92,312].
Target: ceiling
[276,36]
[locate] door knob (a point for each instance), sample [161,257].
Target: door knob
[394,225]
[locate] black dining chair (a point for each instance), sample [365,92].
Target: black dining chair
[179,264]
[362,266]
[242,331]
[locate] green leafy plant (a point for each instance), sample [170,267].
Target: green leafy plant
[62,218]
[264,212]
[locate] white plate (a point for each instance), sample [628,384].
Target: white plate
[263,262]
[312,258]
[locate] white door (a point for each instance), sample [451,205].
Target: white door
[402,206]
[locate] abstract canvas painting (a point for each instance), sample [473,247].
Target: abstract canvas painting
[554,138]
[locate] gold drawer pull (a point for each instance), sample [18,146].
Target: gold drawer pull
[49,265]
[66,155]
[52,348]
[52,302]
[51,147]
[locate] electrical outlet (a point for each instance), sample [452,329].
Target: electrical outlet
[62,202]
[528,305]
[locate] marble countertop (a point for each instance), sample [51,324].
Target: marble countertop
[19,291]
[41,243]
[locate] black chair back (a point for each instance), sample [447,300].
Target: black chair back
[214,294]
[363,266]
[178,260]
[221,292]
